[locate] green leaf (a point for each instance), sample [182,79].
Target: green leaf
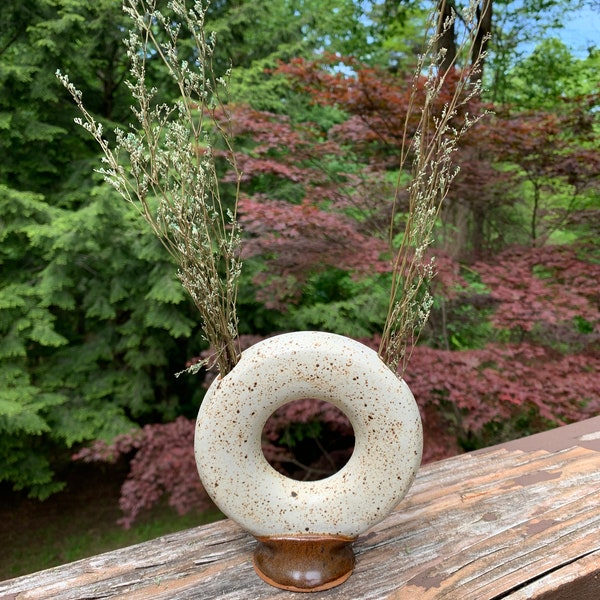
[167,317]
[9,408]
[5,120]
[11,347]
[45,335]
[167,289]
[101,308]
[12,295]
[104,421]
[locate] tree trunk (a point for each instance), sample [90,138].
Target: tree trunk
[484,30]
[446,34]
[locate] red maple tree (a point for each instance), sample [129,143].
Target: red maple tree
[316,198]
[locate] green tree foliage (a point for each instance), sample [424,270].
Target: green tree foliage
[550,75]
[516,28]
[90,314]
[255,35]
[93,323]
[90,309]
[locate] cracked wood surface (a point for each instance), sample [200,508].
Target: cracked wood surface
[519,521]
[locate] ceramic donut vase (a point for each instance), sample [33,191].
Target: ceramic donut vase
[305,529]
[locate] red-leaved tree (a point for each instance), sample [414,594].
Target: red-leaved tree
[513,345]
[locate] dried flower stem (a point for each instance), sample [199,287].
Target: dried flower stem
[432,148]
[165,165]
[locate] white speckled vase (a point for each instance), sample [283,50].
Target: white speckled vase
[305,529]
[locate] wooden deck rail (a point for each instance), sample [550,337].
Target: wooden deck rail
[517,521]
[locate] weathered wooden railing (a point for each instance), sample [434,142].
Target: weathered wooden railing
[518,521]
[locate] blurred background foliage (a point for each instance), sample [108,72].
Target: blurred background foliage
[94,324]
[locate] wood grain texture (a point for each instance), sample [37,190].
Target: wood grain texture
[517,522]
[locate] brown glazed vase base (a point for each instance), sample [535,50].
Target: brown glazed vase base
[304,563]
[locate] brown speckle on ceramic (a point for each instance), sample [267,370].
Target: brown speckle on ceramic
[278,370]
[304,563]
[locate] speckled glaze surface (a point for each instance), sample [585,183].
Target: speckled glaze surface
[278,370]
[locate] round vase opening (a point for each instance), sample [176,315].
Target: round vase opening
[308,439]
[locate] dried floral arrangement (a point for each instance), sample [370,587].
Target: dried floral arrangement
[164,165]
[431,150]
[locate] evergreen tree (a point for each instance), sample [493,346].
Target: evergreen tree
[91,313]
